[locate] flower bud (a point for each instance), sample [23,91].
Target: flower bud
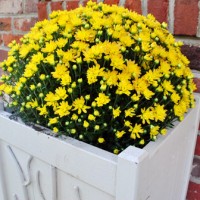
[87,26]
[74,67]
[81,137]
[41,95]
[67,123]
[101,140]
[32,87]
[87,97]
[73,131]
[97,40]
[79,60]
[164,25]
[80,80]
[42,77]
[105,124]
[96,127]
[39,85]
[94,104]
[73,85]
[99,32]
[103,87]
[70,90]
[28,97]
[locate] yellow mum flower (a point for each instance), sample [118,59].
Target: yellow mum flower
[93,73]
[146,115]
[127,123]
[43,110]
[120,134]
[168,87]
[111,77]
[79,105]
[49,47]
[130,112]
[116,151]
[85,35]
[135,97]
[61,93]
[116,112]
[124,87]
[133,69]
[175,97]
[74,117]
[55,129]
[135,131]
[60,71]
[50,59]
[102,99]
[159,113]
[85,124]
[91,117]
[51,99]
[117,62]
[7,89]
[148,94]
[63,109]
[154,130]
[101,140]
[53,120]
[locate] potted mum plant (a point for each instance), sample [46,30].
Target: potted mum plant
[109,88]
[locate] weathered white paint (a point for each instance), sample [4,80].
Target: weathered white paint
[36,166]
[198,26]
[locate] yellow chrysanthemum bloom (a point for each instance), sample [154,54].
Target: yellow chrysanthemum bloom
[116,112]
[135,131]
[102,99]
[79,105]
[63,109]
[146,115]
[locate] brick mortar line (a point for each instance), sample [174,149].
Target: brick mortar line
[144,7]
[4,48]
[191,41]
[64,5]
[80,2]
[122,2]
[14,32]
[171,7]
[48,8]
[193,179]
[198,25]
[16,15]
[23,5]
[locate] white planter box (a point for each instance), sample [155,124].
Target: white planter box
[36,166]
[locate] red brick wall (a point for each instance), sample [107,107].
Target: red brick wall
[16,18]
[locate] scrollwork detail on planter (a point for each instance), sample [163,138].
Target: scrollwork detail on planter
[28,181]
[16,197]
[25,181]
[39,185]
[77,192]
[54,182]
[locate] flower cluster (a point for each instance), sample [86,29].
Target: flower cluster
[102,74]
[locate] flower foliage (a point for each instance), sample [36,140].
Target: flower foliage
[102,74]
